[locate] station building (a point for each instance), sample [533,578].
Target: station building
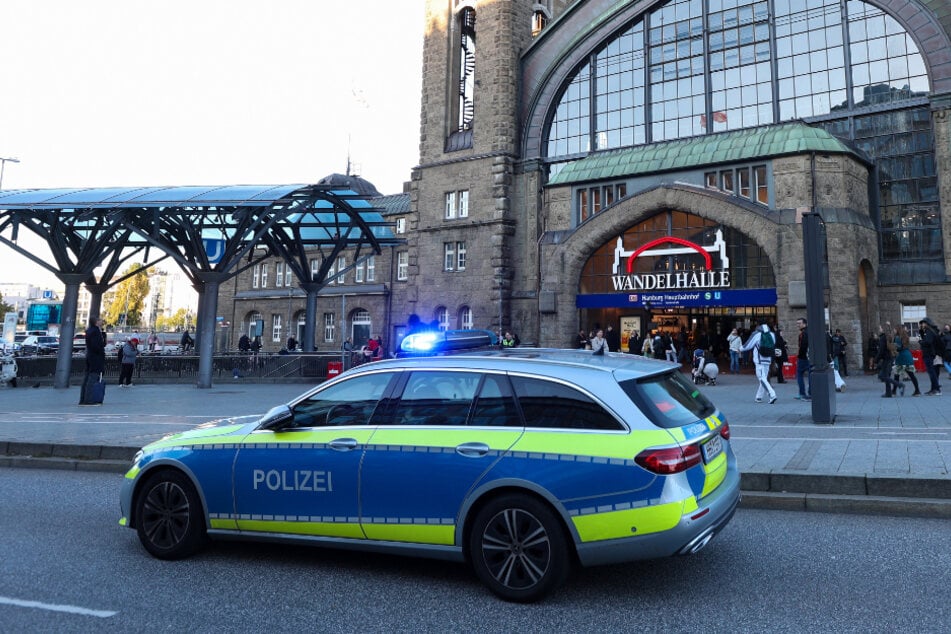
[648,164]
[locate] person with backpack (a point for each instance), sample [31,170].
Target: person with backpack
[763,344]
[932,349]
[127,355]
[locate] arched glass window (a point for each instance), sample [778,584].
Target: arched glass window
[442,317]
[465,318]
[749,265]
[669,75]
[254,324]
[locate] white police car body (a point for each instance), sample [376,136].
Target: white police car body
[521,463]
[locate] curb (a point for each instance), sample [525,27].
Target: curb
[852,504]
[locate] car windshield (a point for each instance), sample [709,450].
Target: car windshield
[669,400]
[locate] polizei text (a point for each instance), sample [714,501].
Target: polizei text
[298,480]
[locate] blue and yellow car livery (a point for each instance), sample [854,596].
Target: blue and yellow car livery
[602,459]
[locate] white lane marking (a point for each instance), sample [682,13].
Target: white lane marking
[71,609]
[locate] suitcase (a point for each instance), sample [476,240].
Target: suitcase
[96,390]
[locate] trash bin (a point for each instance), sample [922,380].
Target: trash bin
[334,368]
[919,361]
[789,368]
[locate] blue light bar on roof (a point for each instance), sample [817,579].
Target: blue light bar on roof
[444,341]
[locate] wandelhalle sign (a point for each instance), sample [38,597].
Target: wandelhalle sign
[681,289]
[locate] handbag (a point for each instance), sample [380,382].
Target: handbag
[600,350]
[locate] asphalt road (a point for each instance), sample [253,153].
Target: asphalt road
[66,566]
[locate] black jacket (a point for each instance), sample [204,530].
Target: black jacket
[803,352]
[927,341]
[95,349]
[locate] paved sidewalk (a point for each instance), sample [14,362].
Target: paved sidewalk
[880,455]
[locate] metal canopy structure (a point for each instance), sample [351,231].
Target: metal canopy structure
[213,233]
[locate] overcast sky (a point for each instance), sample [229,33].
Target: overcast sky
[103,93]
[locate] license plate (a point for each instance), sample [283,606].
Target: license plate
[712,448]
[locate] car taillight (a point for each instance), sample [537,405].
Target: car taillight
[669,460]
[725,431]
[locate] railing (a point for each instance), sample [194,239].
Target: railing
[173,368]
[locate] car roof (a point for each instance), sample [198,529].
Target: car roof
[549,361]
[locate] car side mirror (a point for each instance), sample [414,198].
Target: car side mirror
[277,418]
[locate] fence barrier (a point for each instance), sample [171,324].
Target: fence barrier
[184,368]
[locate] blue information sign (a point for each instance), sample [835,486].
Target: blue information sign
[693,298]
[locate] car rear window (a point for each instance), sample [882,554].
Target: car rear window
[669,400]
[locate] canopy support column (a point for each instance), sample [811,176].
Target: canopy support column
[205,332]
[64,356]
[310,316]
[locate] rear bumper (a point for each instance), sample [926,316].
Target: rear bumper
[692,533]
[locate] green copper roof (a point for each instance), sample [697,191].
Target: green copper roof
[713,149]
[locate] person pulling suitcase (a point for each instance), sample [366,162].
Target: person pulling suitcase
[93,387]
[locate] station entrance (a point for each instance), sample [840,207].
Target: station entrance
[705,327]
[676,272]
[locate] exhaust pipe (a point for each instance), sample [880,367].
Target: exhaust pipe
[697,544]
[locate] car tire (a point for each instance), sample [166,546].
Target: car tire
[169,517]
[518,549]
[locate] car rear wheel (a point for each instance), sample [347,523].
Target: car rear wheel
[518,548]
[169,516]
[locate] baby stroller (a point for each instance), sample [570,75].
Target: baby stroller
[8,369]
[705,370]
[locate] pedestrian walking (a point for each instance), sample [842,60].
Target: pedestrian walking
[802,361]
[931,348]
[613,339]
[886,359]
[735,342]
[782,354]
[581,341]
[95,362]
[946,341]
[128,354]
[838,352]
[763,345]
[904,362]
[599,344]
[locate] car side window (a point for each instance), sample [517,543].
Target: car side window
[555,405]
[495,406]
[349,402]
[436,398]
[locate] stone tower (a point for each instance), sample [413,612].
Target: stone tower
[471,234]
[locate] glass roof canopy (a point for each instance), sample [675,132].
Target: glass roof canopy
[213,233]
[319,211]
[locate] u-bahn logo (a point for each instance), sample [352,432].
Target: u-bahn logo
[707,278]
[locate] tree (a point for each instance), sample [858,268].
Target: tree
[178,321]
[125,301]
[5,307]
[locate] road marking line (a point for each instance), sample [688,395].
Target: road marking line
[72,609]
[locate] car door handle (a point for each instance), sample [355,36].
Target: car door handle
[472,449]
[343,444]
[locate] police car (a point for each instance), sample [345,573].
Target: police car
[521,463]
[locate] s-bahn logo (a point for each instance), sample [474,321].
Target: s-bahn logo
[707,278]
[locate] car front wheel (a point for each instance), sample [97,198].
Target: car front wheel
[169,516]
[518,548]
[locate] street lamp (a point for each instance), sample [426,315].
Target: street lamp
[3,164]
